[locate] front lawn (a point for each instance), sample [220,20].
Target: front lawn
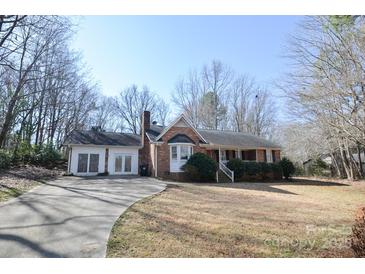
[304,218]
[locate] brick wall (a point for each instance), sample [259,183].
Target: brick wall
[163,151]
[261,155]
[277,155]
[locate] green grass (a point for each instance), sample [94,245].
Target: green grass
[296,219]
[9,192]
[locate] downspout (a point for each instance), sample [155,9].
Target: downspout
[156,163]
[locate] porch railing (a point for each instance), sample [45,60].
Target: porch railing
[227,171]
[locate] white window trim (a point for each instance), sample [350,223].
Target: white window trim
[175,165]
[88,163]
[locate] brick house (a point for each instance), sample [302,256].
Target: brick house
[163,150]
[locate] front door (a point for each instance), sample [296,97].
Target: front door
[123,164]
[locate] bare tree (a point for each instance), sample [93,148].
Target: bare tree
[187,95]
[8,28]
[162,111]
[131,103]
[45,92]
[261,118]
[103,115]
[216,99]
[326,85]
[33,41]
[216,82]
[243,89]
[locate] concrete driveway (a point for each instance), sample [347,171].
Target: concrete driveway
[70,216]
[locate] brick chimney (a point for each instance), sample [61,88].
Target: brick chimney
[146,120]
[145,157]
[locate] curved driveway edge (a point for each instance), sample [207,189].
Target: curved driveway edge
[70,216]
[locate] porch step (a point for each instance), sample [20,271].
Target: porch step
[223,178]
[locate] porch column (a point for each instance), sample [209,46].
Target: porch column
[257,156]
[238,154]
[268,155]
[69,159]
[219,154]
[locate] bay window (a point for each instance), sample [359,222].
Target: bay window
[174,152]
[179,154]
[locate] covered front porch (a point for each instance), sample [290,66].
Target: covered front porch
[224,154]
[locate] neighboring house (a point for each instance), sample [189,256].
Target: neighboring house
[163,150]
[357,157]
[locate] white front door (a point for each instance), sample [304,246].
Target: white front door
[123,164]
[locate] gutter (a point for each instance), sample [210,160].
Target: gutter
[217,146]
[103,146]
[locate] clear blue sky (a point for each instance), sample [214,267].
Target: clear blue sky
[157,50]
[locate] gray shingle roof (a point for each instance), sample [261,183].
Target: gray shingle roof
[223,138]
[213,137]
[93,137]
[231,138]
[154,131]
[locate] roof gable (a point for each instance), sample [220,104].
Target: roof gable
[181,121]
[180,138]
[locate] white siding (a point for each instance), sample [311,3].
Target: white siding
[113,151]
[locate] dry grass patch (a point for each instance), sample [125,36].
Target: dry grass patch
[297,219]
[16,181]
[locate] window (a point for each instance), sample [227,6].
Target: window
[249,155]
[94,163]
[179,155]
[174,152]
[184,152]
[82,163]
[181,152]
[128,163]
[118,163]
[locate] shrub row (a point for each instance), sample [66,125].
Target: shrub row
[243,169]
[42,155]
[200,167]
